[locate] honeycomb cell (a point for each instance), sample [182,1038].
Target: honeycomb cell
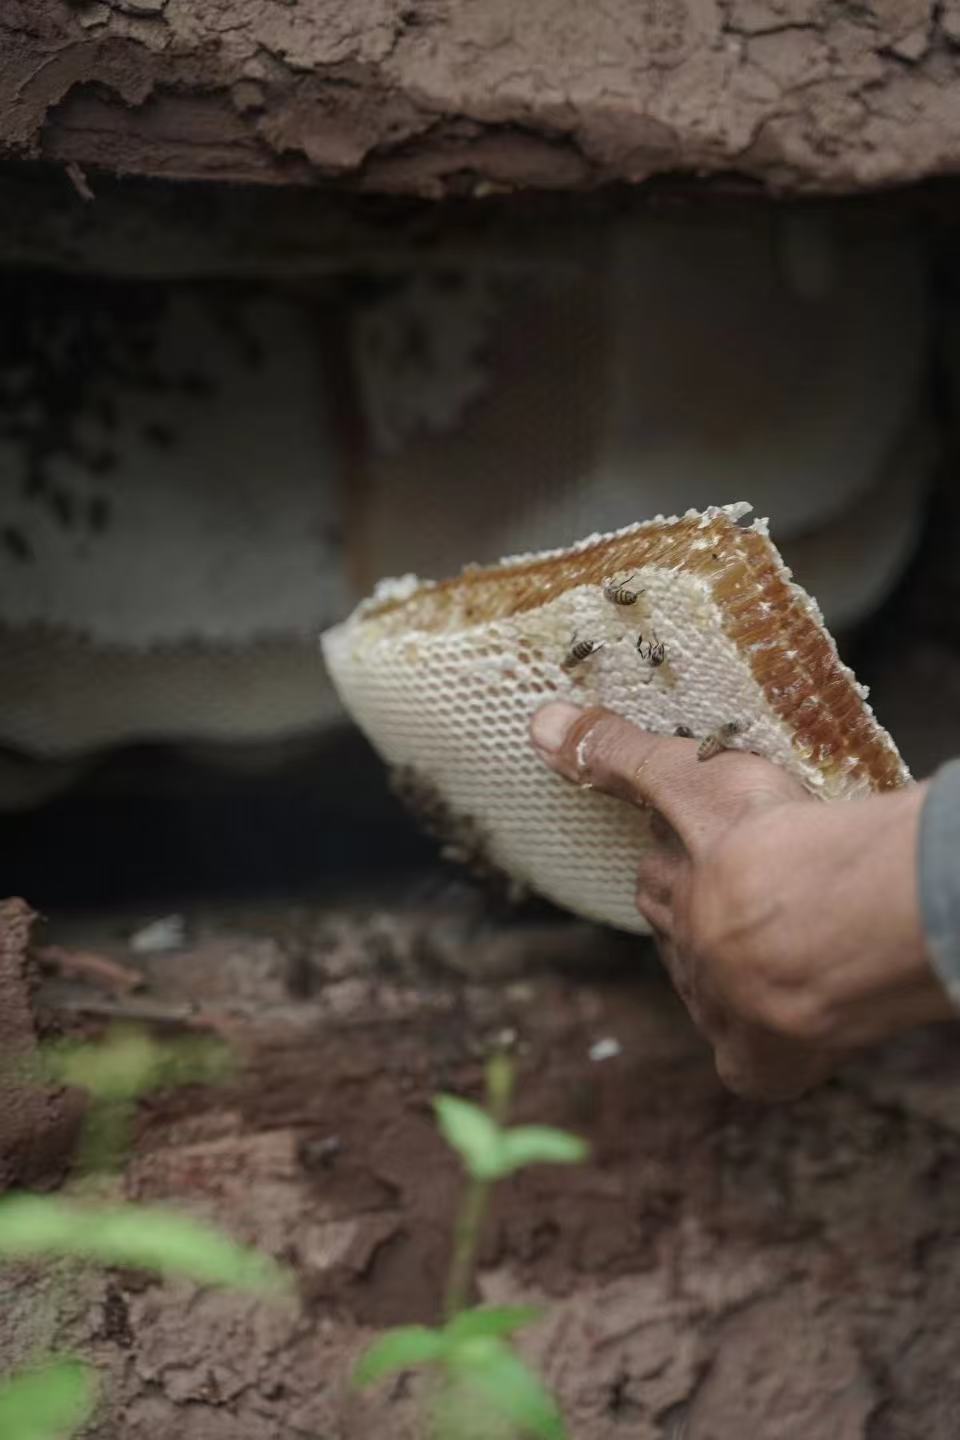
[445,680]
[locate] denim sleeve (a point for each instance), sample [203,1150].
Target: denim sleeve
[939,862]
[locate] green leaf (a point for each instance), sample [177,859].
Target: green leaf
[130,1062]
[508,1386]
[121,1067]
[470,1131]
[48,1403]
[493,1320]
[400,1349]
[133,1235]
[540,1145]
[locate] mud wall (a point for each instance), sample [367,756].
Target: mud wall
[427,97]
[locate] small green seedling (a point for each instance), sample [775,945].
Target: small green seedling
[50,1400]
[116,1072]
[136,1235]
[484,1387]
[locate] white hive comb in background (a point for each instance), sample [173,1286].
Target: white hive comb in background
[443,678]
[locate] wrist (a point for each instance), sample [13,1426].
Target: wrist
[938,876]
[886,981]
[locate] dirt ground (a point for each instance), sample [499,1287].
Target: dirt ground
[717,1269]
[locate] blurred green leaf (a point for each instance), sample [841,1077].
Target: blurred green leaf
[400,1349]
[469,1130]
[133,1235]
[129,1062]
[120,1067]
[48,1403]
[117,1071]
[508,1386]
[493,1320]
[540,1145]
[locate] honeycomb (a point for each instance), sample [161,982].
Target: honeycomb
[444,677]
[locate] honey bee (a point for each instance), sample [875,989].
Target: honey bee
[579,651]
[719,739]
[619,594]
[654,652]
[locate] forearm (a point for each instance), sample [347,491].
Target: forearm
[883,981]
[938,859]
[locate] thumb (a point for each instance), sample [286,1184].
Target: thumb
[597,748]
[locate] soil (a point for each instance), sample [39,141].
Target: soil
[38,1125]
[716,1269]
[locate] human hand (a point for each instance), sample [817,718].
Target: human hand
[791,928]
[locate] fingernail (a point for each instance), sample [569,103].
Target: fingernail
[551,726]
